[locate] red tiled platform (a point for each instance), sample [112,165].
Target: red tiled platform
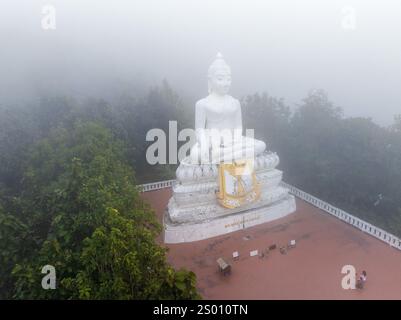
[311,270]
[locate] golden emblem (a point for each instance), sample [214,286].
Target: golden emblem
[238,184]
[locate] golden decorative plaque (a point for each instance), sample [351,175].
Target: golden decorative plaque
[237,183]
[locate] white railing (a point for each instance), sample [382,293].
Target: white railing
[156,185]
[364,226]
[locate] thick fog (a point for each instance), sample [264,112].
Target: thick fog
[351,49]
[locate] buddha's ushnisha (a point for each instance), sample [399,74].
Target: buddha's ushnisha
[218,122]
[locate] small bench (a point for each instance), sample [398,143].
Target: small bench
[291,244]
[235,255]
[224,267]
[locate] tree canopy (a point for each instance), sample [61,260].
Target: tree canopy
[79,210]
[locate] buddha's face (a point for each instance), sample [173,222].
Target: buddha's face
[220,81]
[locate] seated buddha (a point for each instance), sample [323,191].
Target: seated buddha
[218,122]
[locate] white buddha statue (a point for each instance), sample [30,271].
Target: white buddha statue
[218,122]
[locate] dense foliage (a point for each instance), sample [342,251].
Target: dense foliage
[352,163]
[77,208]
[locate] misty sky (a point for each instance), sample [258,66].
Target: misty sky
[282,47]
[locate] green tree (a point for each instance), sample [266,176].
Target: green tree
[85,217]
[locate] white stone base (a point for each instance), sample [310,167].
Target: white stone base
[187,232]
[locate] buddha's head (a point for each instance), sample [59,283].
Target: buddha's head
[219,76]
